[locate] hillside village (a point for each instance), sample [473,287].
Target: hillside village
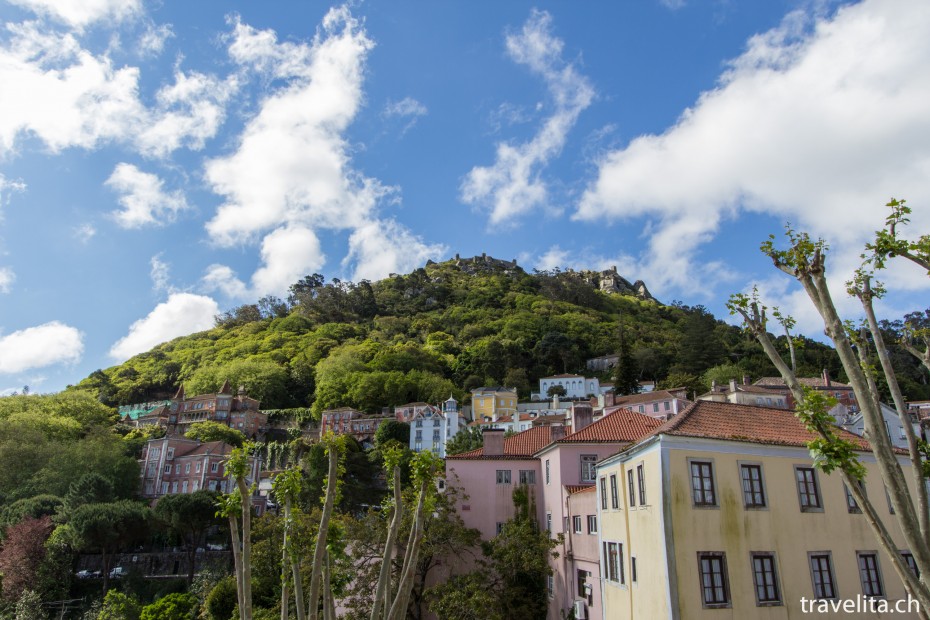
[657,500]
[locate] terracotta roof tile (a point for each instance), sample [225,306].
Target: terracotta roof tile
[579,488]
[621,425]
[647,397]
[520,446]
[752,424]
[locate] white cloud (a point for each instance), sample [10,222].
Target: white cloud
[81,13]
[181,314]
[291,174]
[160,272]
[292,162]
[406,108]
[381,248]
[37,347]
[818,122]
[554,258]
[513,185]
[84,233]
[143,198]
[288,254]
[222,278]
[152,40]
[7,277]
[66,96]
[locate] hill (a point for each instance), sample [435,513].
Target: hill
[444,328]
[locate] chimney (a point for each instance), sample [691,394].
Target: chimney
[582,416]
[713,385]
[826,377]
[493,441]
[556,432]
[732,385]
[745,379]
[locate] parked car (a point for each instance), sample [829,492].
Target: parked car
[84,574]
[117,572]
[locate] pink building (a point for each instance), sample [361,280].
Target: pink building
[555,466]
[349,421]
[658,404]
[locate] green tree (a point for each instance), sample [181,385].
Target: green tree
[91,488]
[556,390]
[108,528]
[625,375]
[215,431]
[188,516]
[119,606]
[694,385]
[467,439]
[393,429]
[221,601]
[177,606]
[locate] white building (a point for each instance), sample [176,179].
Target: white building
[575,386]
[432,427]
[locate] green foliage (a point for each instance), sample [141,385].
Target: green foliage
[119,606]
[722,373]
[393,429]
[29,607]
[222,599]
[177,606]
[693,384]
[468,438]
[215,431]
[827,448]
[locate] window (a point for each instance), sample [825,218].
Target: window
[851,504]
[174,486]
[187,468]
[547,471]
[603,492]
[642,409]
[500,527]
[588,467]
[177,468]
[908,558]
[214,467]
[808,494]
[765,579]
[184,487]
[753,491]
[197,468]
[633,568]
[584,590]
[655,407]
[167,469]
[614,496]
[641,477]
[169,454]
[702,483]
[613,561]
[630,488]
[435,435]
[668,406]
[503,476]
[549,522]
[592,527]
[527,476]
[822,575]
[576,524]
[550,585]
[164,488]
[715,590]
[869,574]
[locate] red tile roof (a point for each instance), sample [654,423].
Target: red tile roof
[520,446]
[622,425]
[579,488]
[647,397]
[752,424]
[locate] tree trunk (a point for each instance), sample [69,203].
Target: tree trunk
[405,583]
[237,561]
[285,595]
[245,498]
[381,606]
[295,567]
[920,487]
[320,549]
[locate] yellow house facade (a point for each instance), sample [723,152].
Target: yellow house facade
[493,402]
[721,514]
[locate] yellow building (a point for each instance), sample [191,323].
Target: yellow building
[493,402]
[721,514]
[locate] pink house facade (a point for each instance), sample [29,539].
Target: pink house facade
[559,469]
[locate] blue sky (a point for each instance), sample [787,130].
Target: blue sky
[161,162]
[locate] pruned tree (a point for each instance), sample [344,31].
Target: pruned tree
[188,516]
[238,466]
[805,260]
[286,488]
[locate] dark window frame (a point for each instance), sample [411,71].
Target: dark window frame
[820,564]
[712,567]
[754,495]
[765,579]
[808,487]
[703,487]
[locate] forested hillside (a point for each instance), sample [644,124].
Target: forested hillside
[444,328]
